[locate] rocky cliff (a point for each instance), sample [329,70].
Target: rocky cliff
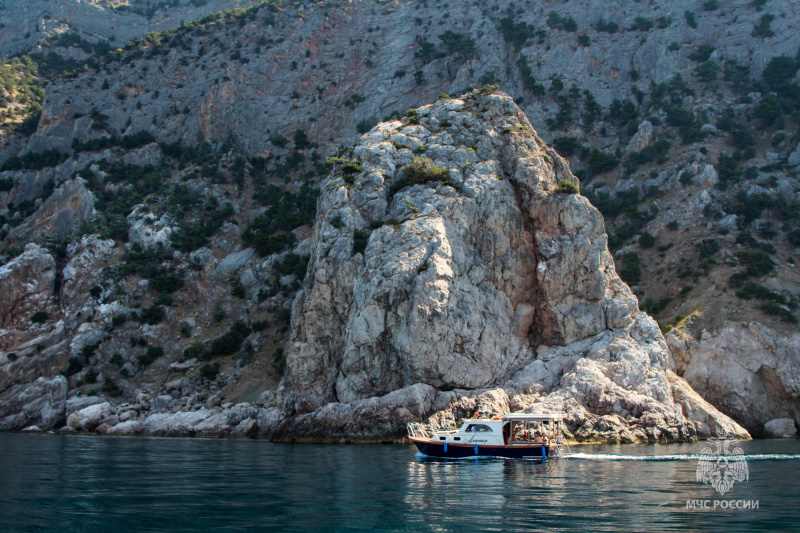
[471,272]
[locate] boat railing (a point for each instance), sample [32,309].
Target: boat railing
[419,431]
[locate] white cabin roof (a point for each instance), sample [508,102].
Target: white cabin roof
[531,416]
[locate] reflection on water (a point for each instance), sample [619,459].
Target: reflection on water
[50,483]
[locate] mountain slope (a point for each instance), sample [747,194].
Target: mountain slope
[679,121]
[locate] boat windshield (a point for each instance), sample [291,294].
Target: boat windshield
[479,428]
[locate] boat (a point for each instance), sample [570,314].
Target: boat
[513,435]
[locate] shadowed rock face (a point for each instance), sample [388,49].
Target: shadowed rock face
[748,370]
[492,282]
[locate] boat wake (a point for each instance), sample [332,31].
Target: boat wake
[678,457]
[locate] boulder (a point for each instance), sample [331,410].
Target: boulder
[780,428]
[642,138]
[81,402]
[128,427]
[90,418]
[233,262]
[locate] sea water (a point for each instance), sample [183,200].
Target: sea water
[71,483]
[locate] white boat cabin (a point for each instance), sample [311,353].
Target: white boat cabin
[511,429]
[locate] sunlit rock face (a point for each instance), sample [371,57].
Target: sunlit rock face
[491,276]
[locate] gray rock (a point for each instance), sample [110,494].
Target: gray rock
[642,138]
[41,403]
[780,428]
[128,427]
[201,257]
[233,262]
[794,157]
[708,178]
[89,418]
[709,129]
[81,402]
[26,285]
[746,370]
[539,312]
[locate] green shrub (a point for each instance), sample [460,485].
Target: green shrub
[209,371]
[773,308]
[646,240]
[794,237]
[88,350]
[641,24]
[566,146]
[164,299]
[459,44]
[757,263]
[702,53]
[11,356]
[631,272]
[230,342]
[194,351]
[116,359]
[292,263]
[279,360]
[600,162]
[111,388]
[762,28]
[152,353]
[554,20]
[152,315]
[423,170]
[38,317]
[360,241]
[608,27]
[567,187]
[73,367]
[237,289]
[413,116]
[90,377]
[672,225]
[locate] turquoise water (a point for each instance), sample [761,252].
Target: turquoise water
[58,483]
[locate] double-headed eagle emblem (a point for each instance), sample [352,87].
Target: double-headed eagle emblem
[723,466]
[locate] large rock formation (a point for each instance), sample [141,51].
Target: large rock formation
[486,284]
[747,370]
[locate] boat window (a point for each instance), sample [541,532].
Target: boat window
[479,428]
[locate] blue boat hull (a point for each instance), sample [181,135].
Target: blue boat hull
[438,449]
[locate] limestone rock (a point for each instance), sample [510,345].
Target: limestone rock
[780,428]
[126,428]
[709,422]
[747,371]
[147,230]
[708,178]
[26,284]
[70,204]
[82,402]
[89,418]
[492,279]
[642,138]
[41,403]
